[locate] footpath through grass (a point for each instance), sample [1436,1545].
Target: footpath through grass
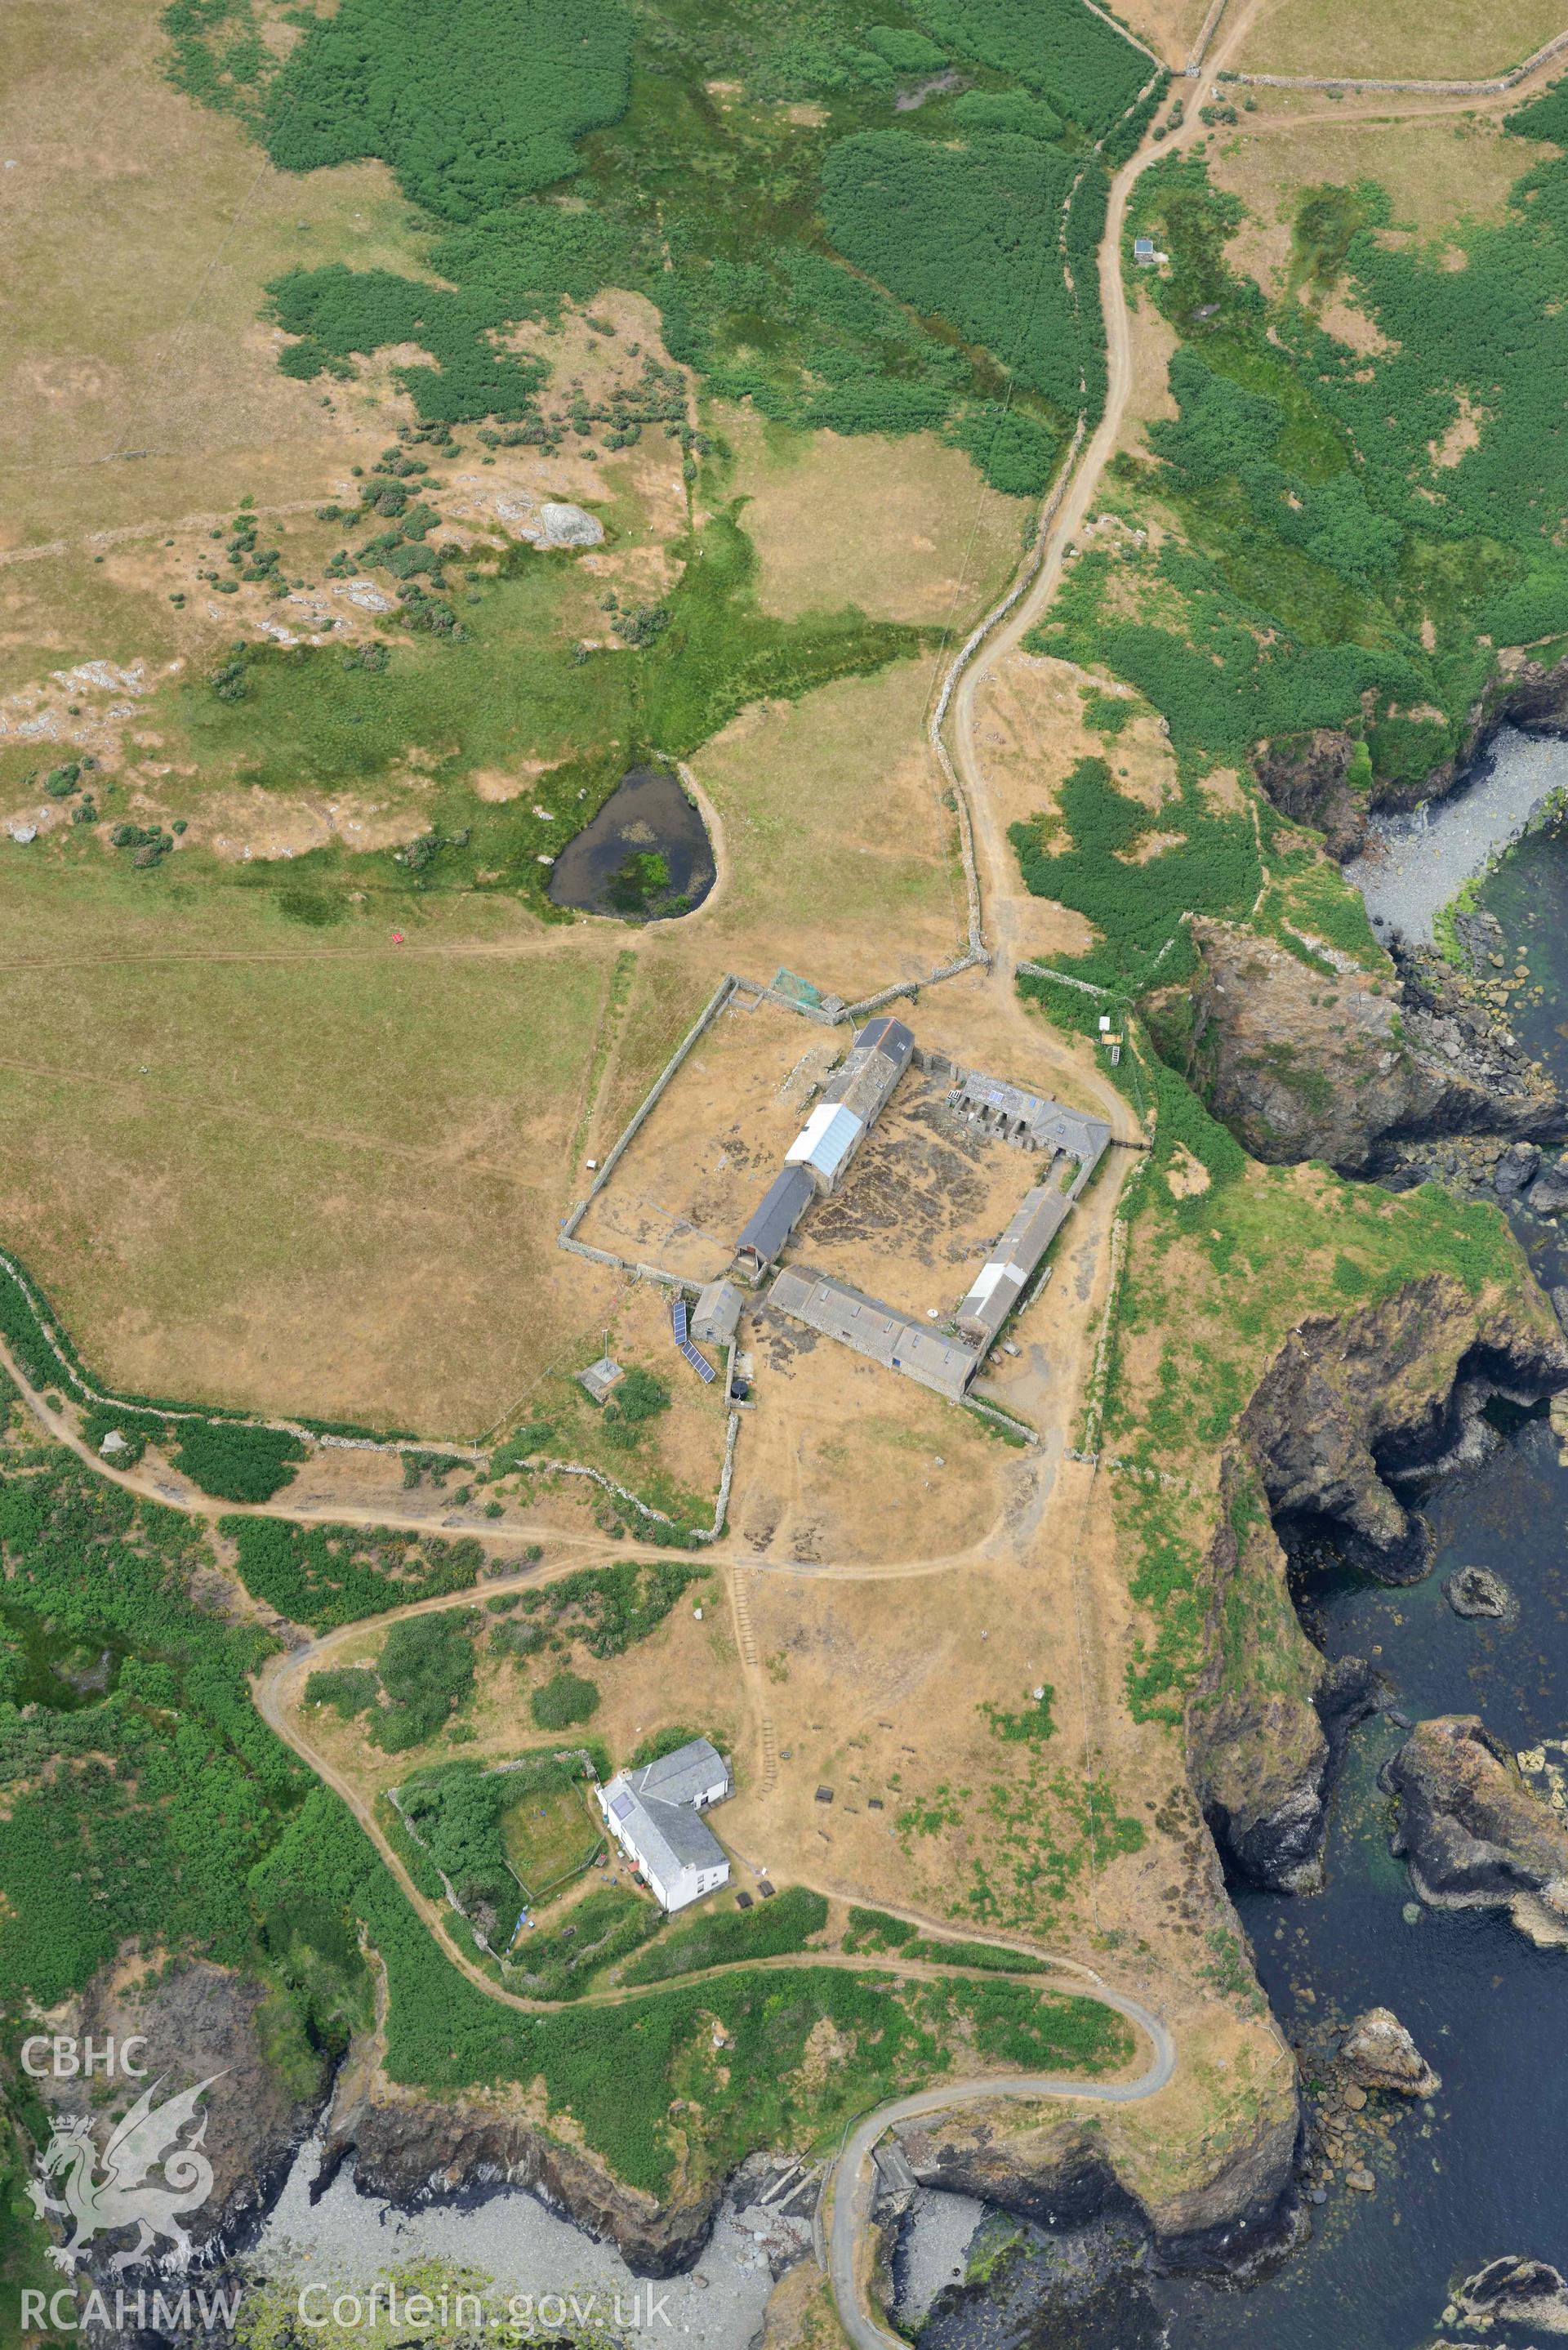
[171,1819]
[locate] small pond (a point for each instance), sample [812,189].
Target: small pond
[646,856]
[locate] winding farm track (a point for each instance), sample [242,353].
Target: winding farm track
[851,2186]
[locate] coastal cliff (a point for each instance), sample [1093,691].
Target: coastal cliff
[1348,1404]
[1054,2169]
[1361,1069]
[1309,776]
[415,2150]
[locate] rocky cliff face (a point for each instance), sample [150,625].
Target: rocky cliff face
[1475,1836]
[1307,778]
[1242,2211]
[1359,1070]
[1258,1755]
[1352,1400]
[200,2022]
[416,2149]
[1306,775]
[1349,1401]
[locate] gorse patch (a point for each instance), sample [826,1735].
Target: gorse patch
[714,207]
[426,1667]
[323,1576]
[472,103]
[1137,907]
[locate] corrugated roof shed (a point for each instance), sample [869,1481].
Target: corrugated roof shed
[825,1143]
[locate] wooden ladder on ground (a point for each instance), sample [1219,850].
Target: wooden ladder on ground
[747,1638]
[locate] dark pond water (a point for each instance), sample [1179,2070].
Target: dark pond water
[646,856]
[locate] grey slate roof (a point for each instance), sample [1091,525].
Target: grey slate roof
[873,1328]
[681,1777]
[1008,1269]
[871,1068]
[659,1801]
[776,1214]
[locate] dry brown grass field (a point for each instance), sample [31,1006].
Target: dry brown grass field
[1437,175]
[1453,40]
[902,528]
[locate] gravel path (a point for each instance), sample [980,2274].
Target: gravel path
[1413,866]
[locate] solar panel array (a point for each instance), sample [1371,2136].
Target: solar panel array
[679,1320]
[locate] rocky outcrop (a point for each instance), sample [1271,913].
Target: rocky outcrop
[415,2150]
[1244,2212]
[1379,2053]
[1358,1069]
[1516,2292]
[200,2022]
[1474,1833]
[1307,776]
[1476,1591]
[1267,1717]
[1352,1400]
[1349,1402]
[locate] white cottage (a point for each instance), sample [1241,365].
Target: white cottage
[655,1816]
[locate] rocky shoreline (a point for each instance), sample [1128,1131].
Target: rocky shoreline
[1352,1406]
[1398,1078]
[1308,776]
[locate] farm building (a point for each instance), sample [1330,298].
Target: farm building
[782,1206]
[887,1337]
[655,1816]
[716,1314]
[1030,1120]
[1008,1271]
[852,1100]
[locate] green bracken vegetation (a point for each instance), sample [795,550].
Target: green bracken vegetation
[426,1667]
[1352,523]
[1348,536]
[325,1575]
[955,313]
[171,1818]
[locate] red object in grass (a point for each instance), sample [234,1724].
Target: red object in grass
[397,938]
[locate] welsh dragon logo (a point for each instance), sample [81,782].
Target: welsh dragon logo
[123,2194]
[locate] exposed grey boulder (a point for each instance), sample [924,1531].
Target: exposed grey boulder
[1475,1835]
[1476,1591]
[1379,2053]
[1516,1170]
[1549,1192]
[1519,2292]
[564,525]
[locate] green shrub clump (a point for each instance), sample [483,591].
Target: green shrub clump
[426,1667]
[325,1575]
[472,105]
[641,1397]
[565,1699]
[729,1935]
[235,1462]
[351,1689]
